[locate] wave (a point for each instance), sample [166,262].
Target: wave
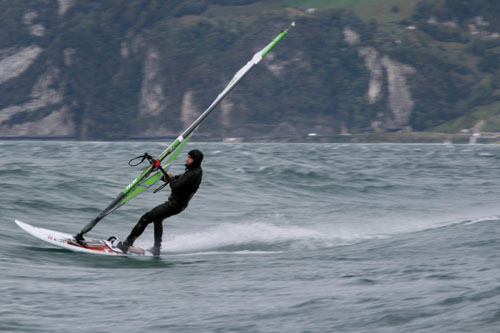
[253,237]
[492,218]
[271,237]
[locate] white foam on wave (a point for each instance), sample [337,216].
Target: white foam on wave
[259,236]
[492,218]
[216,253]
[278,235]
[271,237]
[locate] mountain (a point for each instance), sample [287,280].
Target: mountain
[131,69]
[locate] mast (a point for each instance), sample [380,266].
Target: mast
[257,57]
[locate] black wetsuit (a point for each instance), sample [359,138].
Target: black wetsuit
[183,188]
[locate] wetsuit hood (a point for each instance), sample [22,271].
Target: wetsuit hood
[197,157]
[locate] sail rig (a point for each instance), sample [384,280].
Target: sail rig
[155,171]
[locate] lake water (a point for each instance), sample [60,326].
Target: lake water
[279,238]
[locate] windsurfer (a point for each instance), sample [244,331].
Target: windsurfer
[183,187]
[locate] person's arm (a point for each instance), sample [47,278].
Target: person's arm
[180,180]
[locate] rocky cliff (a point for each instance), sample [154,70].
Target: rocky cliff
[128,69]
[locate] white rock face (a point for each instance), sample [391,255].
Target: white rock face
[188,112]
[400,100]
[41,96]
[57,123]
[374,65]
[37,30]
[227,108]
[64,5]
[399,96]
[152,101]
[351,36]
[45,93]
[15,64]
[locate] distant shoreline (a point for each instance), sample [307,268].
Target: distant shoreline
[397,137]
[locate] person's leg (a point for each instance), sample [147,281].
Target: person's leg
[138,229]
[168,210]
[156,215]
[135,233]
[156,249]
[158,233]
[147,218]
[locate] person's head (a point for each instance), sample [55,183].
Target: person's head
[194,159]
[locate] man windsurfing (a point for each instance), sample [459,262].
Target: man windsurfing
[183,187]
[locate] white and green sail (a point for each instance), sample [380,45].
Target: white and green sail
[153,174]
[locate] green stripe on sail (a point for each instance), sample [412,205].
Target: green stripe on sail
[144,185]
[170,148]
[178,149]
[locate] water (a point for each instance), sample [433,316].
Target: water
[279,238]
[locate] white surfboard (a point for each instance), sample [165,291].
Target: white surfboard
[67,241]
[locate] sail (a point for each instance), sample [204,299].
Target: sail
[144,183]
[152,173]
